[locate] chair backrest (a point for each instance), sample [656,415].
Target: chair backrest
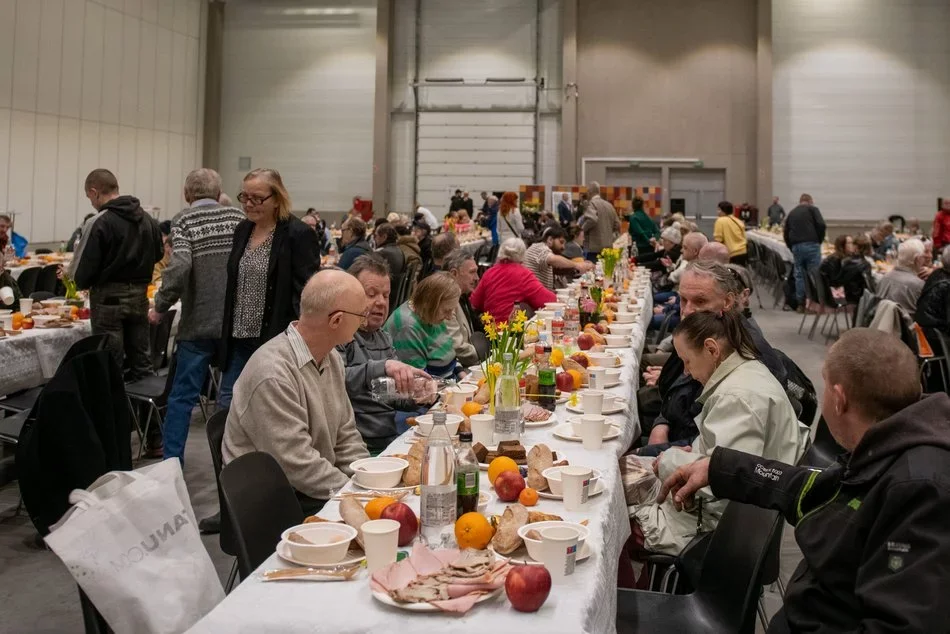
[214,429]
[91,343]
[38,296]
[732,570]
[482,347]
[862,315]
[260,504]
[27,280]
[664,328]
[158,336]
[47,279]
[811,286]
[824,445]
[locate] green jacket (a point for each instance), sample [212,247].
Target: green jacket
[641,229]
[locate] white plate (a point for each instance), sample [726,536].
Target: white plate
[351,557]
[619,408]
[382,597]
[521,557]
[566,432]
[551,419]
[598,489]
[381,490]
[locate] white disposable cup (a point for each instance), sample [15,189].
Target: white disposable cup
[483,429]
[559,551]
[592,431]
[598,377]
[26,305]
[380,541]
[575,484]
[610,401]
[592,402]
[6,295]
[6,322]
[458,396]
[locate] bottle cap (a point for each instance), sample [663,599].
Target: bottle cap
[465,436]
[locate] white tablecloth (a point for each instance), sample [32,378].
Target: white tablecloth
[585,602]
[771,242]
[30,360]
[472,247]
[15,271]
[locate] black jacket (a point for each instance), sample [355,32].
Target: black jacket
[849,273]
[804,224]
[294,258]
[933,305]
[872,528]
[122,244]
[653,261]
[394,257]
[79,430]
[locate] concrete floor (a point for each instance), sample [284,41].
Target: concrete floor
[38,595]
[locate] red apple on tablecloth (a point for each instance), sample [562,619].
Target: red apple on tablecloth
[408,523]
[528,587]
[564,382]
[508,486]
[602,327]
[585,341]
[581,358]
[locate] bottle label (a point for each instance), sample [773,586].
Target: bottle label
[507,421]
[438,507]
[471,480]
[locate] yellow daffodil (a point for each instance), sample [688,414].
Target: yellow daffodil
[503,326]
[517,327]
[487,318]
[490,332]
[495,369]
[521,317]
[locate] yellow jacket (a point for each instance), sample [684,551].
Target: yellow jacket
[731,232]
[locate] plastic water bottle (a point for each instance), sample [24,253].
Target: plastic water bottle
[438,504]
[508,403]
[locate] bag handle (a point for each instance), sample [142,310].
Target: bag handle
[105,486]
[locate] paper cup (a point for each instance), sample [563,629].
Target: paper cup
[457,396]
[610,401]
[6,322]
[592,431]
[575,483]
[380,541]
[598,377]
[559,551]
[592,402]
[483,429]
[26,305]
[6,295]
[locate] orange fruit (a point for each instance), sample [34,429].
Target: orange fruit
[578,378]
[528,497]
[17,320]
[472,530]
[471,408]
[500,465]
[374,507]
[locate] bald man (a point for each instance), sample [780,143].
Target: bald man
[288,402]
[714,252]
[693,243]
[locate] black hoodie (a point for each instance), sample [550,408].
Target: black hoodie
[121,244]
[872,528]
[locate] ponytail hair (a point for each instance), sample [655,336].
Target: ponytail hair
[723,326]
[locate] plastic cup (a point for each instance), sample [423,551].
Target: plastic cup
[26,305]
[380,541]
[6,295]
[6,322]
[458,396]
[592,402]
[575,485]
[559,551]
[592,431]
[598,377]
[483,429]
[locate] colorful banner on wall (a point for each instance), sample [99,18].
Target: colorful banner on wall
[652,200]
[531,197]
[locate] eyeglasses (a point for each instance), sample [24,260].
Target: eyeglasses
[364,317]
[254,200]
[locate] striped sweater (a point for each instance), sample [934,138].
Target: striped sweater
[425,346]
[202,236]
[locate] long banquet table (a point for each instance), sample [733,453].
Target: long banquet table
[585,602]
[30,359]
[772,243]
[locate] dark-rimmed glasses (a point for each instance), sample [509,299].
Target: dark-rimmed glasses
[254,200]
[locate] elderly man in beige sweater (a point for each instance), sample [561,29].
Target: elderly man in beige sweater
[290,399]
[600,223]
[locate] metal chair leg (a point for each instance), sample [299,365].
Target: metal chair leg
[780,584]
[231,577]
[802,325]
[811,333]
[760,608]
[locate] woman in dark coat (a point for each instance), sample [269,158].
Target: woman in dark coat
[273,256]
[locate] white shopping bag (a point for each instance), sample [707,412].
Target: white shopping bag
[132,544]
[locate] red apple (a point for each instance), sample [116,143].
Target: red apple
[581,358]
[508,486]
[528,587]
[585,341]
[408,523]
[564,382]
[602,327]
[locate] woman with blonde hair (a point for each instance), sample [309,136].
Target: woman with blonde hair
[418,328]
[510,222]
[272,257]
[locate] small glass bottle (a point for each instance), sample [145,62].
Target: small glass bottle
[466,476]
[547,389]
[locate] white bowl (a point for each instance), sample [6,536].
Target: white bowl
[617,340]
[383,472]
[534,545]
[613,375]
[452,422]
[330,541]
[552,306]
[624,317]
[5,311]
[42,319]
[544,314]
[553,476]
[603,359]
[620,329]
[476,371]
[50,303]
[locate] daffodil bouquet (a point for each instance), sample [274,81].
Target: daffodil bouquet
[609,258]
[504,337]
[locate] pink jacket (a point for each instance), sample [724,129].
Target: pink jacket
[506,284]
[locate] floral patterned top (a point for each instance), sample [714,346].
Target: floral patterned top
[251,290]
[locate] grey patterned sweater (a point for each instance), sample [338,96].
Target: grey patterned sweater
[202,236]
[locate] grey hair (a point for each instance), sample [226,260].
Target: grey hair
[594,188]
[454,260]
[202,183]
[725,279]
[225,200]
[370,263]
[673,234]
[908,251]
[493,199]
[512,250]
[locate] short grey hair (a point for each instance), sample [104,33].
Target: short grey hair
[673,234]
[202,183]
[512,250]
[945,257]
[454,260]
[493,199]
[594,188]
[725,279]
[908,251]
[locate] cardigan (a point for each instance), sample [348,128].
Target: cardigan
[506,284]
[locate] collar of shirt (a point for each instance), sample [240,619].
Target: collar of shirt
[725,368]
[302,353]
[204,202]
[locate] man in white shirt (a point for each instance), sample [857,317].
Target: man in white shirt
[544,256]
[428,216]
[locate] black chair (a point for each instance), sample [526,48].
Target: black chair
[728,588]
[831,306]
[43,251]
[771,570]
[153,391]
[824,450]
[47,280]
[27,280]
[813,303]
[260,504]
[11,426]
[214,429]
[482,346]
[158,336]
[39,296]
[663,329]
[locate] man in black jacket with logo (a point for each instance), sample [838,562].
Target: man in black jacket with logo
[115,258]
[873,526]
